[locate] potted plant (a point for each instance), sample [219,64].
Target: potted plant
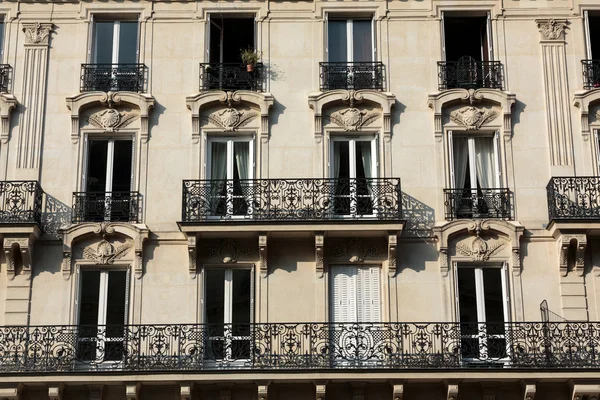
[250,57]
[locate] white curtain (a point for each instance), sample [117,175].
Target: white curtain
[218,160]
[241,151]
[484,161]
[365,154]
[461,160]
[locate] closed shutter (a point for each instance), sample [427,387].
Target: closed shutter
[498,183]
[369,309]
[343,294]
[489,37]
[207,38]
[91,44]
[505,292]
[456,292]
[586,27]
[451,160]
[443,34]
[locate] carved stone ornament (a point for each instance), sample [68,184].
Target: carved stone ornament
[319,253]
[105,252]
[37,33]
[551,29]
[111,120]
[352,119]
[480,250]
[228,251]
[355,251]
[472,118]
[230,119]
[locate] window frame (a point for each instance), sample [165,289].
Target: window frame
[350,34]
[495,135]
[358,286]
[109,159]
[466,14]
[116,19]
[230,140]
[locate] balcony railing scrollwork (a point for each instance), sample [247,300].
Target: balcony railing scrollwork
[20,202]
[113,77]
[301,346]
[470,74]
[351,75]
[106,206]
[5,75]
[231,76]
[291,199]
[478,203]
[574,198]
[591,74]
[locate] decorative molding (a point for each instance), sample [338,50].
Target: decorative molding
[529,391]
[132,391]
[397,391]
[516,261]
[584,100]
[186,390]
[37,34]
[193,256]
[228,251]
[392,253]
[230,118]
[319,256]
[355,251]
[443,259]
[111,120]
[11,393]
[352,119]
[480,250]
[262,254]
[320,391]
[105,253]
[25,246]
[551,29]
[138,264]
[8,102]
[472,118]
[55,392]
[585,392]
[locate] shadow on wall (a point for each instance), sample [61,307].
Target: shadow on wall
[55,215]
[420,218]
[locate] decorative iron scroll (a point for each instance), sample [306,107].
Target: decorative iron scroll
[478,203]
[291,199]
[20,201]
[351,75]
[231,76]
[5,75]
[573,198]
[106,206]
[113,77]
[300,346]
[470,74]
[591,74]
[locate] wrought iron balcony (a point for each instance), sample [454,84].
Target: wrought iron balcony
[291,200]
[574,198]
[351,75]
[5,72]
[591,74]
[106,206]
[20,202]
[231,76]
[301,347]
[470,74]
[113,77]
[478,203]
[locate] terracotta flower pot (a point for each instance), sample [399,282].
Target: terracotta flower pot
[250,67]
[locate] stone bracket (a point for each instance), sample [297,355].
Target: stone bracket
[22,244]
[263,392]
[579,391]
[185,390]
[192,256]
[397,391]
[55,392]
[132,391]
[320,391]
[262,255]
[581,243]
[392,253]
[529,391]
[11,393]
[319,256]
[451,392]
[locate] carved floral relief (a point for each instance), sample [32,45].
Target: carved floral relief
[105,253]
[111,120]
[230,118]
[473,118]
[352,119]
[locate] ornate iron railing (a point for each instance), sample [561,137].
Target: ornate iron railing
[301,346]
[591,74]
[574,198]
[231,76]
[106,206]
[470,74]
[5,72]
[351,75]
[20,202]
[113,77]
[291,199]
[478,203]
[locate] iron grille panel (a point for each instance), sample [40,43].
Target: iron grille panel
[591,74]
[5,75]
[20,202]
[113,77]
[351,75]
[291,199]
[231,76]
[478,203]
[106,206]
[470,74]
[574,198]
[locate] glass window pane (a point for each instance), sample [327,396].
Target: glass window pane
[337,41]
[218,160]
[467,300]
[96,166]
[115,302]
[122,166]
[494,300]
[341,159]
[103,42]
[89,300]
[363,159]
[241,162]
[240,302]
[215,296]
[362,45]
[128,40]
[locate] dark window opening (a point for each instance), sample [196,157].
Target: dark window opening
[594,29]
[228,37]
[466,37]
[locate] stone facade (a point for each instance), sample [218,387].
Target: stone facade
[327,285]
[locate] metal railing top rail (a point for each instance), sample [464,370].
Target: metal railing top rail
[573,198]
[301,346]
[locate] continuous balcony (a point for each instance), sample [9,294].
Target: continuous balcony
[106,206]
[301,347]
[591,74]
[113,77]
[574,198]
[470,74]
[20,202]
[478,203]
[231,76]
[291,200]
[5,72]
[351,75]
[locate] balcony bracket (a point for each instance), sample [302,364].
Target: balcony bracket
[320,391]
[8,102]
[451,392]
[580,243]
[319,262]
[11,393]
[23,245]
[392,251]
[398,391]
[262,255]
[55,392]
[581,392]
[584,100]
[263,392]
[529,391]
[132,391]
[193,256]
[186,389]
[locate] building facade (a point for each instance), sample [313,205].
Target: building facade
[397,200]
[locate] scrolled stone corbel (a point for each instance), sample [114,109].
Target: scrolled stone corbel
[132,391]
[320,391]
[392,253]
[262,255]
[319,257]
[192,256]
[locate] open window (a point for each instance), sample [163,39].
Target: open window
[468,52]
[227,36]
[228,314]
[591,65]
[102,315]
[483,311]
[353,169]
[107,182]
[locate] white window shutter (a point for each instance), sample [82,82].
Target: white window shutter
[497,160]
[451,160]
[489,37]
[586,27]
[127,291]
[369,304]
[374,38]
[505,292]
[456,291]
[343,294]
[91,40]
[326,36]
[597,146]
[207,38]
[443,39]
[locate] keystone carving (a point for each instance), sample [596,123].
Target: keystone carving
[472,118]
[111,120]
[352,119]
[230,119]
[105,252]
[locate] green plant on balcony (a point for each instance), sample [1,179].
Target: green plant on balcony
[250,57]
